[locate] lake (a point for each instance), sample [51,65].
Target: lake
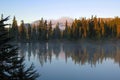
[73,60]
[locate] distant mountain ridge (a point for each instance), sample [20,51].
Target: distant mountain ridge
[55,21]
[61,22]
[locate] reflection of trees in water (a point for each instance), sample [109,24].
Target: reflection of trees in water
[42,53]
[56,47]
[29,50]
[23,48]
[92,53]
[80,53]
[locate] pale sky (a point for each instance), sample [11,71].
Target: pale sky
[31,10]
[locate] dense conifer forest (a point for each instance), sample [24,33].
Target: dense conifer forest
[93,29]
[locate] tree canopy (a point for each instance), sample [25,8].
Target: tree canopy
[93,28]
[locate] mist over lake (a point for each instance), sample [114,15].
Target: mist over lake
[74,60]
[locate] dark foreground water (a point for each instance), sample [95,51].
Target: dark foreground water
[74,60]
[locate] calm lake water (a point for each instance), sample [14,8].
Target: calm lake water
[73,60]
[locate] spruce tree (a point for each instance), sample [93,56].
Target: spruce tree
[34,35]
[57,32]
[50,32]
[29,33]
[66,32]
[14,30]
[22,32]
[12,66]
[40,29]
[45,31]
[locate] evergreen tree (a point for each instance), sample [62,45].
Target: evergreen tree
[40,30]
[66,32]
[14,30]
[102,29]
[91,33]
[29,33]
[117,23]
[57,32]
[50,32]
[74,30]
[12,66]
[34,36]
[83,28]
[45,31]
[22,32]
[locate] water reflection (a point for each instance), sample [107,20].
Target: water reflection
[80,52]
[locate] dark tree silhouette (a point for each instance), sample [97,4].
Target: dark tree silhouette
[50,31]
[57,33]
[22,30]
[12,66]
[29,33]
[14,32]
